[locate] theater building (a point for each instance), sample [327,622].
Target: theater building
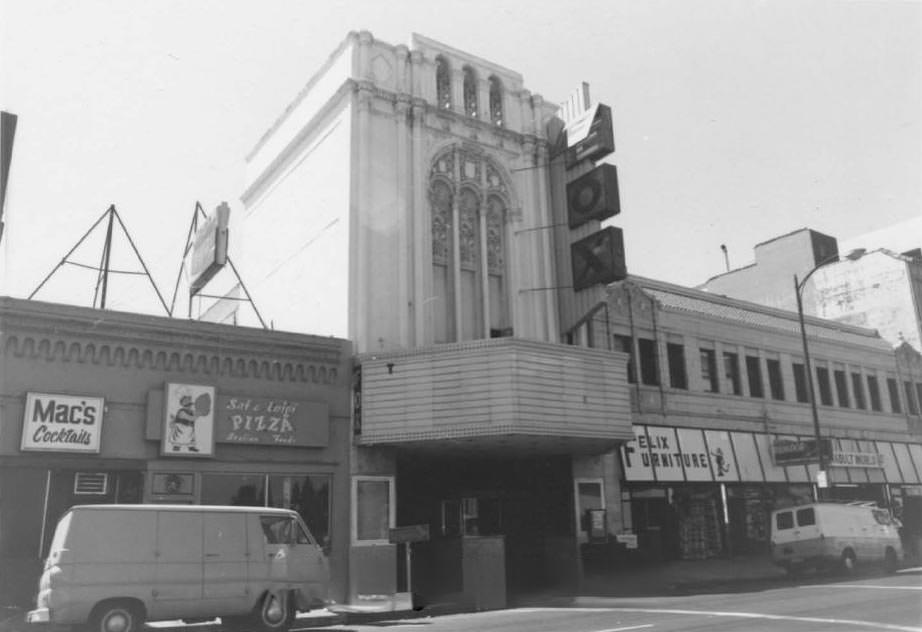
[100,406]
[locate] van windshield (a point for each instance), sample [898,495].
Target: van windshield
[60,534]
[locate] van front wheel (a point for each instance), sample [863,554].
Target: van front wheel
[276,612]
[116,616]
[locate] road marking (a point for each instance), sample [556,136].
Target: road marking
[633,627]
[867,625]
[863,586]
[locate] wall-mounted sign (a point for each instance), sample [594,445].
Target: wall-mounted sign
[598,258]
[261,420]
[798,451]
[188,420]
[590,136]
[62,423]
[841,458]
[629,540]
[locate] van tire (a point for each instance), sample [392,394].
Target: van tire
[847,563]
[117,615]
[275,612]
[890,561]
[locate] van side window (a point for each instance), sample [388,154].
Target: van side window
[784,520]
[806,517]
[277,529]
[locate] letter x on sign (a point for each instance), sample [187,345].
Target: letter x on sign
[598,258]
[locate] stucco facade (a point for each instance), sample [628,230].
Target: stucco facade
[87,417]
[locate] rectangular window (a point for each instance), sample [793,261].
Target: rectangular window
[858,391]
[822,379]
[626,344]
[919,393]
[841,388]
[373,513]
[775,381]
[709,370]
[675,354]
[874,393]
[732,371]
[806,517]
[754,372]
[649,371]
[784,520]
[894,390]
[911,405]
[801,390]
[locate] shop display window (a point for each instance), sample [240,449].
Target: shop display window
[307,494]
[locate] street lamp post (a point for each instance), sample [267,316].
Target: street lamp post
[798,289]
[799,286]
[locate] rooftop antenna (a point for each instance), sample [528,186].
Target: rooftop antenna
[723,247]
[104,270]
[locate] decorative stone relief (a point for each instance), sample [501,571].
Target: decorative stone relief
[440,198]
[468,207]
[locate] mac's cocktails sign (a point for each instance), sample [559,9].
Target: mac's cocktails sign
[62,423]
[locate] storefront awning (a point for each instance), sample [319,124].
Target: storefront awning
[670,454]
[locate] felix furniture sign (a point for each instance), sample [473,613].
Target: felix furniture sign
[62,423]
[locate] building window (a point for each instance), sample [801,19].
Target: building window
[496,101]
[373,509]
[442,83]
[911,404]
[470,91]
[822,380]
[874,393]
[468,200]
[801,389]
[775,381]
[709,370]
[732,371]
[894,391]
[841,388]
[754,373]
[675,355]
[919,393]
[625,344]
[649,371]
[858,391]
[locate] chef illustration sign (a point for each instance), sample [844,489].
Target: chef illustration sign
[188,424]
[62,423]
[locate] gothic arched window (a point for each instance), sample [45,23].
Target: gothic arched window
[468,201]
[496,101]
[470,91]
[442,83]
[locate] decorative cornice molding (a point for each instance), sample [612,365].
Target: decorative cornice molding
[66,334]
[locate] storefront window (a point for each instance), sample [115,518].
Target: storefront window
[307,494]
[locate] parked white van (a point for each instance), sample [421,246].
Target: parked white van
[834,535]
[117,566]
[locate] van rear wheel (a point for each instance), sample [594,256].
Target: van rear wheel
[117,616]
[847,563]
[890,561]
[276,612]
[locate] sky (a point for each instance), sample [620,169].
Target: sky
[735,121]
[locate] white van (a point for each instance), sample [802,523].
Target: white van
[117,566]
[834,535]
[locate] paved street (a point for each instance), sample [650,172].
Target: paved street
[864,603]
